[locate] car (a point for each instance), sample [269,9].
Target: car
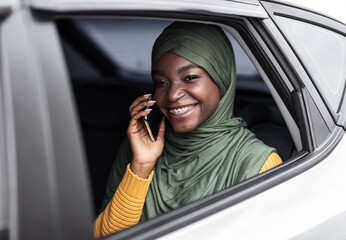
[70,69]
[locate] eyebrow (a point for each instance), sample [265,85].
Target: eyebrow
[188,67]
[180,70]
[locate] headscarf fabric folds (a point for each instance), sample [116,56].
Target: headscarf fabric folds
[220,152]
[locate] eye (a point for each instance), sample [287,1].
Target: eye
[159,83]
[190,77]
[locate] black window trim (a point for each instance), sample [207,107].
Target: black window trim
[298,108]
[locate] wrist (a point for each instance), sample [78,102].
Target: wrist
[142,170]
[134,186]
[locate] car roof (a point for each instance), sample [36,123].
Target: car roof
[250,8]
[333,8]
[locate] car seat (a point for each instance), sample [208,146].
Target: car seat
[260,120]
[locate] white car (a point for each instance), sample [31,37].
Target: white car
[70,69]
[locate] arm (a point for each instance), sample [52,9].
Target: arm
[125,208]
[272,161]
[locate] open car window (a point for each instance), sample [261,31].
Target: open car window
[124,47]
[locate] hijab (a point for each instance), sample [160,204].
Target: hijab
[220,152]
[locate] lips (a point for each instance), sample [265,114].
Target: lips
[179,111]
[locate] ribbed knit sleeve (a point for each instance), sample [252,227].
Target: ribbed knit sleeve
[273,160]
[125,208]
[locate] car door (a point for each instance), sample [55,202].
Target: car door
[266,203]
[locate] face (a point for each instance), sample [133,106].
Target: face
[184,92]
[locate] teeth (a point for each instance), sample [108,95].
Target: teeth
[179,111]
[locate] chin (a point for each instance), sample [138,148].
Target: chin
[183,129]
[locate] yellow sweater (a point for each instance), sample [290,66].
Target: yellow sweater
[125,208]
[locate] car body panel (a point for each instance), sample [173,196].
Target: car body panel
[290,210]
[46,169]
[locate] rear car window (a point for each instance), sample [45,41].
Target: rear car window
[323,53]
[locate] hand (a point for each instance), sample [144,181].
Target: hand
[145,152]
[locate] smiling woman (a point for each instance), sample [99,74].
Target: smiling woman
[201,150]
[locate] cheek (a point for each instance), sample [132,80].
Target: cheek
[159,102]
[207,93]
[158,96]
[212,99]
[215,97]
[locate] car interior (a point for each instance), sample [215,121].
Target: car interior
[108,60]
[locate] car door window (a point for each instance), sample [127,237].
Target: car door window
[103,99]
[323,53]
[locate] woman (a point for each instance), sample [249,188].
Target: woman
[202,149]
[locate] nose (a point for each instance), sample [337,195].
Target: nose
[175,92]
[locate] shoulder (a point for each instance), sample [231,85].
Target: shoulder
[253,153]
[272,161]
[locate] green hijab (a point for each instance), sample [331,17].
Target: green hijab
[220,152]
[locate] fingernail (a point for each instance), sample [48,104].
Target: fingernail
[151,101]
[147,95]
[148,110]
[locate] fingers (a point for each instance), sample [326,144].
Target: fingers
[138,100]
[140,114]
[140,104]
[136,125]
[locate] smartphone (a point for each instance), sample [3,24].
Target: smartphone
[152,122]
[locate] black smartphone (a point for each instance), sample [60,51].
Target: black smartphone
[153,121]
